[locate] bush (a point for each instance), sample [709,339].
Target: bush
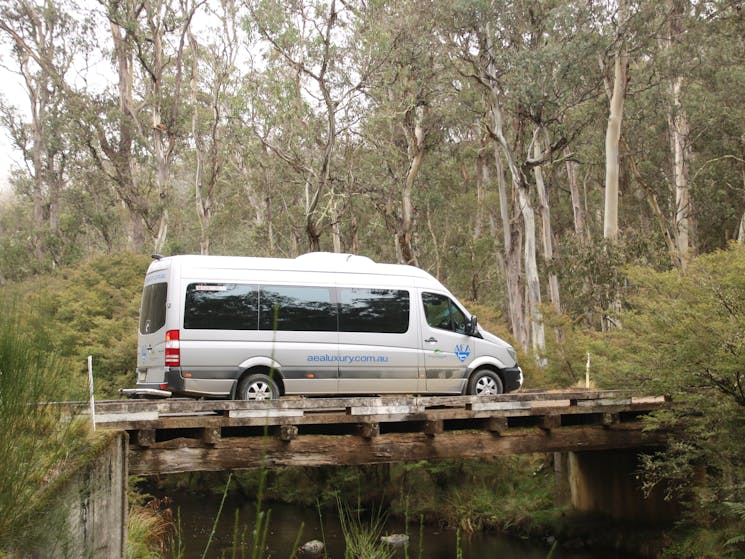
[37,442]
[684,335]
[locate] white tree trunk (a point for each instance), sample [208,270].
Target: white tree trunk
[578,206]
[679,132]
[612,141]
[741,231]
[532,280]
[544,210]
[679,146]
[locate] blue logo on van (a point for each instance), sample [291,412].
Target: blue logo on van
[462,351]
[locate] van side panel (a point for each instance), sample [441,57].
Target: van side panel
[384,357]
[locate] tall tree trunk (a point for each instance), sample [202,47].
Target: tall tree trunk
[578,205]
[741,229]
[544,210]
[525,205]
[414,130]
[679,132]
[612,141]
[120,156]
[680,148]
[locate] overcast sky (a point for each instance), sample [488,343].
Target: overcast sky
[12,90]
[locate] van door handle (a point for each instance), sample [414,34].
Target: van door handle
[430,340]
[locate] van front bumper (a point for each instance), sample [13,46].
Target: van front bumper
[512,378]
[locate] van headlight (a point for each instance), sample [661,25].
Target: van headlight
[512,353]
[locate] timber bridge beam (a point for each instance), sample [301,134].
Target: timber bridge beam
[180,435]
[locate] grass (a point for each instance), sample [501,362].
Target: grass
[362,536]
[38,443]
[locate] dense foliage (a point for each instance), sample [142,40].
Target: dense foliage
[90,309]
[38,443]
[683,334]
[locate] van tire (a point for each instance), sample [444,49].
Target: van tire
[485,382]
[257,387]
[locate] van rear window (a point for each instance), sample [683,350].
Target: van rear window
[153,309]
[213,306]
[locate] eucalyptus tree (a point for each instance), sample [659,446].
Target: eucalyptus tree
[405,101]
[138,129]
[213,88]
[702,56]
[42,54]
[616,83]
[522,56]
[305,97]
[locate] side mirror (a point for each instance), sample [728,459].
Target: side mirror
[472,326]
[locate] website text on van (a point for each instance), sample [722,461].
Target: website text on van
[319,324]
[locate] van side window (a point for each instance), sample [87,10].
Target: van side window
[153,311]
[373,310]
[442,313]
[221,306]
[297,308]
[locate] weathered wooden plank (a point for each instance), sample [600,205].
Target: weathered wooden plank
[605,402]
[266,413]
[341,417]
[319,450]
[186,405]
[187,413]
[103,418]
[498,406]
[385,410]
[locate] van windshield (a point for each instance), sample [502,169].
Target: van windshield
[153,310]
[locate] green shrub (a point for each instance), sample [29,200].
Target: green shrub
[38,441]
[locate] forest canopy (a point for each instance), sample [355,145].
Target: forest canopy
[521,152]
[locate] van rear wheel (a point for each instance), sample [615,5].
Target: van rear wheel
[485,382]
[257,387]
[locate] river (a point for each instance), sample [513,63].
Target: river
[290,524]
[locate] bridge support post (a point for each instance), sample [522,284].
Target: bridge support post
[606,482]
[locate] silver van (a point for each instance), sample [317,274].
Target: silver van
[318,324]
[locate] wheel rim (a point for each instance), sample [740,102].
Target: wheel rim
[259,391]
[486,385]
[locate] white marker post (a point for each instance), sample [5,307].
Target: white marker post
[90,383]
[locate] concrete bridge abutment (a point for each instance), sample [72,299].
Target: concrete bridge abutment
[607,482]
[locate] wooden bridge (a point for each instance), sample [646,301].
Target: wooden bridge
[178,435]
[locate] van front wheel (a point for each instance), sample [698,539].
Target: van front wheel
[485,382]
[257,387]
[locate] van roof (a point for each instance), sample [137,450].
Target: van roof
[309,262]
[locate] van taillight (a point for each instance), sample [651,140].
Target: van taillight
[173,349]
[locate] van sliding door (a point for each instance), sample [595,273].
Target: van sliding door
[377,342]
[299,326]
